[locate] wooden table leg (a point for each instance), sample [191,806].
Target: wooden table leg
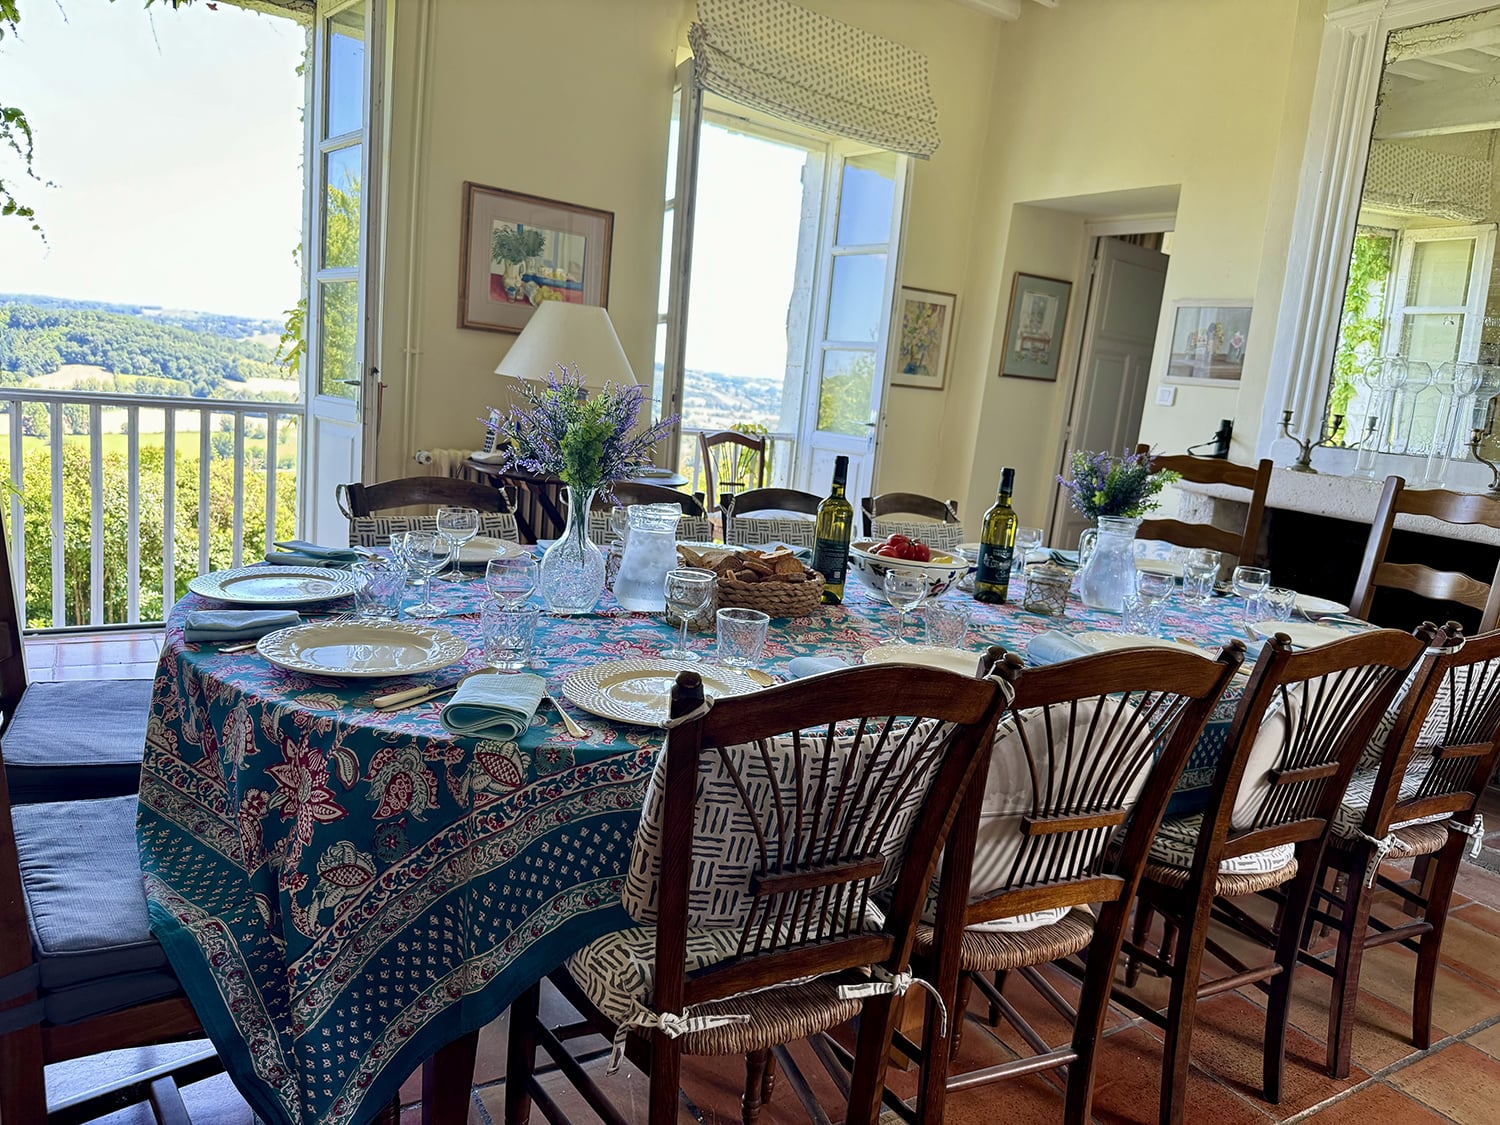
[447,1080]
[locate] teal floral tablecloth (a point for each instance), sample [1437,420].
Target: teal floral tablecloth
[342,891]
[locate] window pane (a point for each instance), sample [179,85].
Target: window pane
[844,395]
[663,290]
[346,70]
[339,330]
[674,132]
[854,303]
[658,372]
[1431,337]
[867,198]
[341,220]
[1440,272]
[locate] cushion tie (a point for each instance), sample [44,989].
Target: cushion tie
[1383,847]
[696,713]
[670,1024]
[1475,833]
[882,982]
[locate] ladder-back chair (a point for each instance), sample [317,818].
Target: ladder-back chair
[730,459]
[936,522]
[1244,542]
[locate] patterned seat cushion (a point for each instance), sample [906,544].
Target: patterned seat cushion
[376,531]
[1348,822]
[618,970]
[689,528]
[944,536]
[1178,836]
[77,739]
[751,531]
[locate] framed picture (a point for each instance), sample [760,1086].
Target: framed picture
[926,329]
[520,250]
[1033,331]
[1208,342]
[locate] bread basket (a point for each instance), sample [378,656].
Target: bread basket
[774,599]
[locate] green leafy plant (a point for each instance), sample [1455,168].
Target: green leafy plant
[1107,485]
[1363,317]
[516,244]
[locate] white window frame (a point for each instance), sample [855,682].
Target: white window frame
[1480,264]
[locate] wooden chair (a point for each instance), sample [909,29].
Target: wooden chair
[357,499]
[728,457]
[694,524]
[1243,544]
[744,528]
[1297,736]
[771,822]
[1087,745]
[1425,581]
[70,739]
[936,521]
[1414,796]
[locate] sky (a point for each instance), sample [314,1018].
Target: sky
[123,99]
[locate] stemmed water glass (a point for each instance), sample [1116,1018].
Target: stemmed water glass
[1028,539]
[1154,587]
[426,553]
[905,590]
[687,590]
[510,581]
[457,526]
[1250,583]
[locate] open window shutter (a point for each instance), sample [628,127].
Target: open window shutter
[781,58]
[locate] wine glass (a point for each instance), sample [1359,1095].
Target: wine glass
[511,580]
[1251,583]
[1028,539]
[1154,587]
[458,526]
[426,553]
[905,590]
[687,590]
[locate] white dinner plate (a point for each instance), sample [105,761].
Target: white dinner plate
[362,648]
[1318,607]
[480,550]
[1302,634]
[276,585]
[1110,642]
[929,656]
[640,691]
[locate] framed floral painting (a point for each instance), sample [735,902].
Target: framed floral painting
[921,358]
[1208,342]
[520,250]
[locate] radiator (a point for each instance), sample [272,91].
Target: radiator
[446,462]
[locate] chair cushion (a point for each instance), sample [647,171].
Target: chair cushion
[376,531]
[944,536]
[85,902]
[693,529]
[1348,822]
[1178,836]
[618,970]
[77,739]
[749,531]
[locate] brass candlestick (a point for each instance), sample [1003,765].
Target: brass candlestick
[1305,446]
[1475,441]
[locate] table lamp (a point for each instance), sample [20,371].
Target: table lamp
[559,332]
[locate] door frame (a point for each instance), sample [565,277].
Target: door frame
[1088,255]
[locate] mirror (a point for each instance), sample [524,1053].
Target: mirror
[1417,362]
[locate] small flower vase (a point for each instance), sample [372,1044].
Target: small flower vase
[1108,577]
[572,571]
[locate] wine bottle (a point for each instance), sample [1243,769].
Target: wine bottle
[997,544]
[834,529]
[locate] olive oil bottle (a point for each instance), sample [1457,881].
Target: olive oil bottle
[997,544]
[834,529]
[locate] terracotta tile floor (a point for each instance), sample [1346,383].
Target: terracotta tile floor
[1458,1080]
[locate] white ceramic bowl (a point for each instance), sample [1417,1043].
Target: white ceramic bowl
[941,576]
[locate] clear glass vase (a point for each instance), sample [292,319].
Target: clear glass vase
[572,571]
[1108,578]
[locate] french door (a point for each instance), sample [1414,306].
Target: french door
[340,252]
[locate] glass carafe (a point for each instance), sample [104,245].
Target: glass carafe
[1109,575]
[650,552]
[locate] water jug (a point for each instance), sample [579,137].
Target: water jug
[1109,575]
[650,551]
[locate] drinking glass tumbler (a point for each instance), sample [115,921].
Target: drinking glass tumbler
[509,635]
[1279,602]
[742,636]
[1200,570]
[384,583]
[1142,616]
[1250,583]
[947,623]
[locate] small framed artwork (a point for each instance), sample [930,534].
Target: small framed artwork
[926,331]
[1034,328]
[1208,342]
[520,250]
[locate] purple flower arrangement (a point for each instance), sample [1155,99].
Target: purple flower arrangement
[1106,484]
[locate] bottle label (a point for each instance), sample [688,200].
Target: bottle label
[994,564]
[831,560]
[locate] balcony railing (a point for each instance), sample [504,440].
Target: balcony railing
[117,500]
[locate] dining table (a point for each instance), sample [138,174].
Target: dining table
[342,891]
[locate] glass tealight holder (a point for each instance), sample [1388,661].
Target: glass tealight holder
[1046,591]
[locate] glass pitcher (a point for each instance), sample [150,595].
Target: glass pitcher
[1109,575]
[650,551]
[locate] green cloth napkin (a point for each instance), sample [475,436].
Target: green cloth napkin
[236,624]
[494,705]
[303,547]
[297,558]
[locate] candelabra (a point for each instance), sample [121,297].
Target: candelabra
[1305,446]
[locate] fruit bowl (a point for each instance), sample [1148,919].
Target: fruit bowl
[942,572]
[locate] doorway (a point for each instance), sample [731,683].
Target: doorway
[1127,272]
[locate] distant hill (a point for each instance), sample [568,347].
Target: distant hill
[217,324]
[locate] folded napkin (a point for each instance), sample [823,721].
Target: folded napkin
[236,624]
[297,558]
[493,705]
[799,666]
[1053,647]
[1064,558]
[342,555]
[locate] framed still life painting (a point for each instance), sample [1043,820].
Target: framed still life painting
[1034,328]
[1208,342]
[520,250]
[926,330]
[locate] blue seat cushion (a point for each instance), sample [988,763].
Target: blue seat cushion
[85,903]
[76,740]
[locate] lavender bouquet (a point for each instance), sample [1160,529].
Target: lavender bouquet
[1104,484]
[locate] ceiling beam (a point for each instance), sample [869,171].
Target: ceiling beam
[1461,104]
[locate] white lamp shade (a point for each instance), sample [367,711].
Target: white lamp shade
[563,333]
